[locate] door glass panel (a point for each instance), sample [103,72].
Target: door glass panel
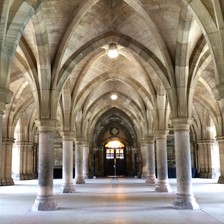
[110,153]
[120,153]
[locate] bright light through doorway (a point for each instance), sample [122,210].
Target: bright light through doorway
[114,144]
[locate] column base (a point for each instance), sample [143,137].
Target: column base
[212,175]
[29,176]
[150,180]
[2,182]
[163,186]
[25,177]
[9,182]
[44,203]
[206,175]
[69,188]
[79,180]
[221,180]
[18,177]
[185,201]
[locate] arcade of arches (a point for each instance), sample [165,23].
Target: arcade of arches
[56,82]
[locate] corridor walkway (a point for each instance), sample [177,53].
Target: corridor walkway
[107,201]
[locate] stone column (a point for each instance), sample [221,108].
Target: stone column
[144,159]
[86,160]
[139,161]
[1,124]
[45,200]
[150,161]
[24,160]
[213,159]
[35,160]
[1,154]
[201,158]
[220,140]
[208,159]
[79,162]
[67,175]
[3,165]
[94,156]
[29,160]
[5,96]
[184,196]
[35,155]
[162,184]
[7,162]
[100,161]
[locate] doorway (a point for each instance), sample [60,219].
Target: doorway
[115,159]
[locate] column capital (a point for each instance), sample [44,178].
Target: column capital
[86,144]
[206,141]
[181,123]
[8,140]
[24,143]
[78,141]
[147,140]
[161,133]
[46,125]
[67,135]
[220,139]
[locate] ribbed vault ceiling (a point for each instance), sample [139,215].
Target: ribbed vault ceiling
[62,37]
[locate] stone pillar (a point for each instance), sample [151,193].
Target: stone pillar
[35,154]
[184,196]
[94,156]
[213,159]
[5,96]
[1,155]
[208,159]
[162,184]
[24,160]
[79,162]
[150,161]
[67,175]
[2,181]
[86,160]
[45,200]
[35,160]
[144,159]
[139,161]
[3,166]
[220,140]
[201,159]
[6,179]
[29,160]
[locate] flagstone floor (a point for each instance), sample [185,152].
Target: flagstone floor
[112,201]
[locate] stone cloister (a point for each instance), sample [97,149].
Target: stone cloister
[56,82]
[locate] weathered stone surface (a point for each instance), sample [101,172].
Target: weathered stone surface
[162,184]
[67,174]
[56,65]
[79,179]
[184,197]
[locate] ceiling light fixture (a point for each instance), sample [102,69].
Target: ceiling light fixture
[112,52]
[113,96]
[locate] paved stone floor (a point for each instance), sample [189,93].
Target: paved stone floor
[106,201]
